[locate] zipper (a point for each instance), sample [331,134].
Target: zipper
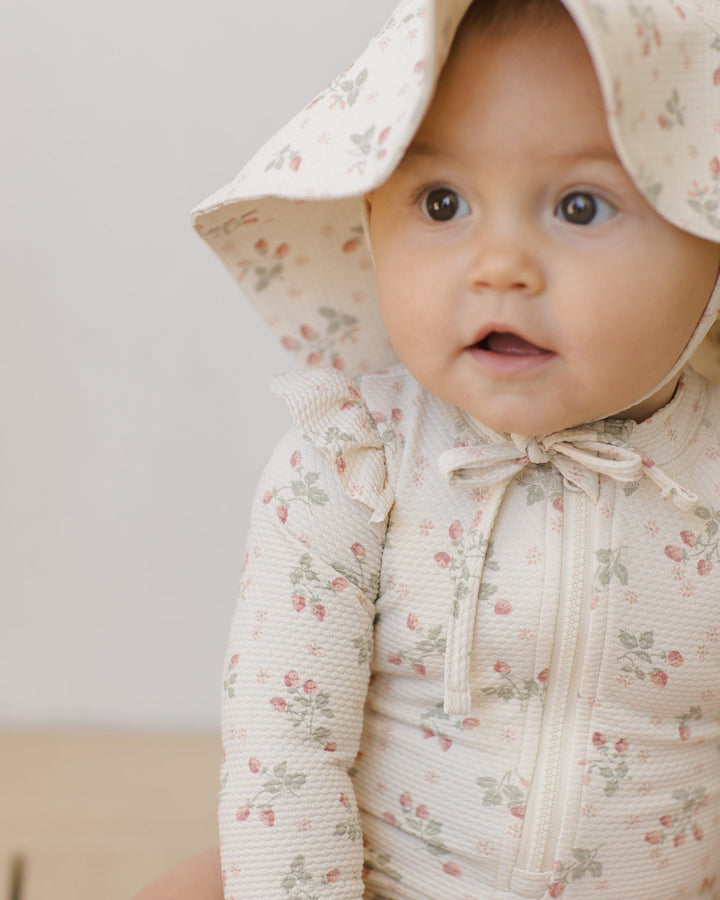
[555,768]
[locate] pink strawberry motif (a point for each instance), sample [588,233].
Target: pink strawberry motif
[344,799]
[659,678]
[558,504]
[389,818]
[503,608]
[666,821]
[518,811]
[442,560]
[292,679]
[704,566]
[675,658]
[555,889]
[298,602]
[282,513]
[339,584]
[279,703]
[456,530]
[358,551]
[688,537]
[267,497]
[394,659]
[282,250]
[470,723]
[412,621]
[715,162]
[543,676]
[622,745]
[314,358]
[502,668]
[674,553]
[318,610]
[332,876]
[295,162]
[422,812]
[397,414]
[288,343]
[427,733]
[698,833]
[254,765]
[685,733]
[678,839]
[330,747]
[450,868]
[267,817]
[242,813]
[310,687]
[350,246]
[445,743]
[406,800]
[716,81]
[653,837]
[418,668]
[261,245]
[598,739]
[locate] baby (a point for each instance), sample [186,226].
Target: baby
[476,654]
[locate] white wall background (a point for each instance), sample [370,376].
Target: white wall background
[135,417]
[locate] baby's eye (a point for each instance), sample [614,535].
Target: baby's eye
[584,208]
[443,204]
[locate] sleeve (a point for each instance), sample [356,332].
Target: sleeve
[298,662]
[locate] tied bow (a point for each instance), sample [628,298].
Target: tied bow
[580,455]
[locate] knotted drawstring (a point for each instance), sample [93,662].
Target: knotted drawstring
[581,455]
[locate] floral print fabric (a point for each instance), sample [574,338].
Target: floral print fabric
[584,759]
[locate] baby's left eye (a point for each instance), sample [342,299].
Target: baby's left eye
[584,208]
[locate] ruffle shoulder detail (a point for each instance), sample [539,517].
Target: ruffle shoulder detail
[332,415]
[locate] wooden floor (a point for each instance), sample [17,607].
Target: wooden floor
[95,816]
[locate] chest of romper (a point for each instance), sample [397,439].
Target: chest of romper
[630,581]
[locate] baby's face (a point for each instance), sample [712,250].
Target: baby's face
[521,275]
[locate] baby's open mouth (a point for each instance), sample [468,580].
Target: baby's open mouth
[509,344]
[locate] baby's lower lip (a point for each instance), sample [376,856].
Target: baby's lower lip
[509,354]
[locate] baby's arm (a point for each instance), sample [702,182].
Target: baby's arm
[295,684]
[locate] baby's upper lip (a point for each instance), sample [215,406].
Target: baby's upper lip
[505,328]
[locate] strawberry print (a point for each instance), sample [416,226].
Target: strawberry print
[366,144]
[436,723]
[610,568]
[700,547]
[429,644]
[694,714]
[285,156]
[276,783]
[705,198]
[417,819]
[643,661]
[349,826]
[268,264]
[680,823]
[609,762]
[300,884]
[510,791]
[583,863]
[345,89]
[321,344]
[307,708]
[512,688]
[302,489]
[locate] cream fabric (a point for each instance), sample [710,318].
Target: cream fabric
[543,717]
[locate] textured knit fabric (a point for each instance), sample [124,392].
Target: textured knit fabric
[520,638]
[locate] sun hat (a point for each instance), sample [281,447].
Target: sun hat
[289,227]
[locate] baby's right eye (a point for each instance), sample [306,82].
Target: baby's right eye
[441,204]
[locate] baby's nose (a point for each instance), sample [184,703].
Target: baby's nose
[507,266]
